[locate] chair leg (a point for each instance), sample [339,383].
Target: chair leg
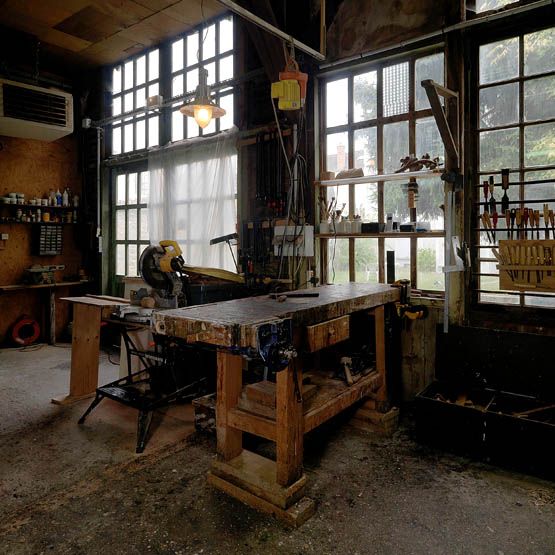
[95,402]
[145,418]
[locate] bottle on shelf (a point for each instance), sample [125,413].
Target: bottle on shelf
[75,216]
[58,198]
[75,201]
[52,198]
[65,198]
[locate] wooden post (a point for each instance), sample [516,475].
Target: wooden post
[230,381]
[289,426]
[85,348]
[379,324]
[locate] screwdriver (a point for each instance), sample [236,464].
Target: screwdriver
[486,190]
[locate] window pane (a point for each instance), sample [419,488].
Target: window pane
[177,55]
[499,149]
[145,187]
[128,138]
[226,68]
[132,188]
[366,156]
[337,104]
[120,225]
[192,80]
[365,96]
[226,102]
[153,89]
[140,130]
[211,68]
[177,125]
[540,302]
[366,260]
[428,139]
[132,224]
[177,85]
[539,144]
[116,80]
[128,102]
[120,260]
[337,152]
[144,224]
[140,98]
[153,65]
[153,137]
[430,198]
[486,5]
[192,49]
[396,89]
[499,105]
[539,98]
[116,140]
[540,190]
[395,145]
[395,201]
[338,260]
[226,34]
[116,106]
[539,52]
[128,75]
[499,61]
[366,202]
[120,189]
[209,42]
[141,70]
[401,247]
[429,262]
[429,67]
[132,260]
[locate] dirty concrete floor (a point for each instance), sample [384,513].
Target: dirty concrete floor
[71,489]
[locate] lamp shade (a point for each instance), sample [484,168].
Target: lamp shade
[202,107]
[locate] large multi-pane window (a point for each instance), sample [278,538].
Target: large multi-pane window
[133,82]
[516,130]
[209,47]
[130,220]
[373,118]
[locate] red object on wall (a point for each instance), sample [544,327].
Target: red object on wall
[25,331]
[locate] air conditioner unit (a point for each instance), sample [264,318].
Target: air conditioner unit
[33,112]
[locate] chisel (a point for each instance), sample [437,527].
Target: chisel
[547,258]
[513,216]
[495,219]
[537,222]
[486,190]
[525,216]
[492,203]
[505,186]
[541,263]
[508,223]
[518,217]
[546,219]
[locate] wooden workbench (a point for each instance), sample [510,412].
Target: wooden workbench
[278,487]
[88,313]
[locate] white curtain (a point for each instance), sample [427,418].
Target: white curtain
[193,198]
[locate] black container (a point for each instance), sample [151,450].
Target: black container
[372,227]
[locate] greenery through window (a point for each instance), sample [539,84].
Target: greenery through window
[374,117]
[516,130]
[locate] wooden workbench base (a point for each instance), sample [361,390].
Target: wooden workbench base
[257,475]
[296,515]
[71,399]
[371,420]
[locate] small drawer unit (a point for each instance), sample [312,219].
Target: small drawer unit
[328,333]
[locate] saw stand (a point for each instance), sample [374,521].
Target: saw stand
[447,120]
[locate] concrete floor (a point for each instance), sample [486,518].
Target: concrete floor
[66,488]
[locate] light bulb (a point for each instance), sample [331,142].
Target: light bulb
[203,115]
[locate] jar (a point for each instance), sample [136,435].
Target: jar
[46,216]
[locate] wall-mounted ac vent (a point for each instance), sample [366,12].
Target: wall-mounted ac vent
[33,112]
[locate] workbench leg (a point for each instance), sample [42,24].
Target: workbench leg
[85,351]
[230,382]
[379,324]
[52,317]
[289,425]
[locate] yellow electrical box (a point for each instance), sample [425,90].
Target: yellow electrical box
[288,93]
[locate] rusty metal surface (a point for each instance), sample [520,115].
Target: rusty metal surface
[234,323]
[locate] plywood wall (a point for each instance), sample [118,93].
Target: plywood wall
[33,167]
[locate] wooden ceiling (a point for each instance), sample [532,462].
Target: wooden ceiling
[99,32]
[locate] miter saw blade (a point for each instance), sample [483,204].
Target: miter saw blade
[149,270]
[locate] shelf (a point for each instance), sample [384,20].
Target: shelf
[21,286]
[38,223]
[377,178]
[387,235]
[35,206]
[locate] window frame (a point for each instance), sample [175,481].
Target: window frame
[378,122]
[478,304]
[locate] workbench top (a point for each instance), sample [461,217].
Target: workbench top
[234,323]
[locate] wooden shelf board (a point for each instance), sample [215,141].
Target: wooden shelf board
[21,286]
[377,178]
[387,235]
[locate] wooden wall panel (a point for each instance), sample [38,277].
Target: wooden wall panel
[33,167]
